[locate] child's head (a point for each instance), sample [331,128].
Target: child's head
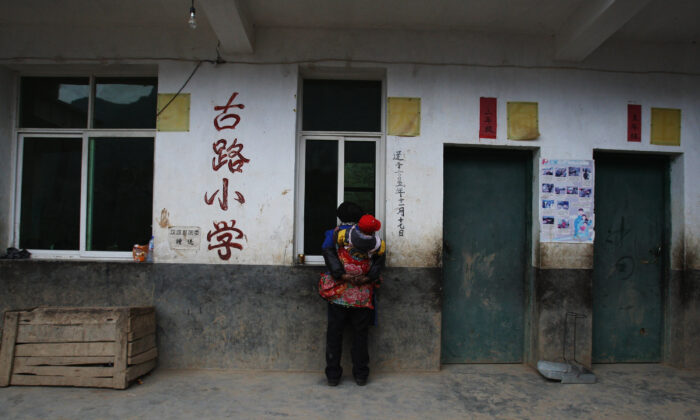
[349,212]
[364,236]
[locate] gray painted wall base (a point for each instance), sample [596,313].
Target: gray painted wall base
[270,317]
[238,316]
[690,305]
[558,291]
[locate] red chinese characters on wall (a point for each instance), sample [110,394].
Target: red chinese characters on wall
[230,156]
[224,116]
[634,123]
[223,200]
[224,235]
[487,118]
[223,238]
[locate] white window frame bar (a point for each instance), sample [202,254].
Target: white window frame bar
[37,253]
[89,134]
[301,188]
[300,164]
[341,138]
[85,135]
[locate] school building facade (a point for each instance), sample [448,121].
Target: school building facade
[474,132]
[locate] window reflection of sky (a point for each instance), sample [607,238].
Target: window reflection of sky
[115,93]
[122,93]
[70,93]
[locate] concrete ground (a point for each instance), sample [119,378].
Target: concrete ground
[456,392]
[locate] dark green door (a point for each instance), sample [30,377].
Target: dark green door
[486,214]
[630,203]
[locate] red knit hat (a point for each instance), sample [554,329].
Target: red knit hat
[368,224]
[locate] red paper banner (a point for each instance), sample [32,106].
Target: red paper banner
[487,118]
[634,123]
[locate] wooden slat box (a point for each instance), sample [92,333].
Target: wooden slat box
[92,347]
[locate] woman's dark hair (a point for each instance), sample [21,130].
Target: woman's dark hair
[349,212]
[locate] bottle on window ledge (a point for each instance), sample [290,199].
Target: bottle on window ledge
[149,256]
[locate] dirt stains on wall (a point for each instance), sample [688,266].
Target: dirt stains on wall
[555,255]
[406,251]
[164,219]
[238,316]
[677,255]
[474,265]
[558,292]
[692,254]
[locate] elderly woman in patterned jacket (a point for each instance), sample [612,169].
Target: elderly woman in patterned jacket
[355,258]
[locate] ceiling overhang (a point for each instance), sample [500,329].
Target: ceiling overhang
[591,24]
[231,23]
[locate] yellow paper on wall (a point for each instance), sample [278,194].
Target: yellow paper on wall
[523,122]
[666,126]
[404,117]
[176,117]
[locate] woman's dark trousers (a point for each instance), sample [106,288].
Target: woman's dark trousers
[359,319]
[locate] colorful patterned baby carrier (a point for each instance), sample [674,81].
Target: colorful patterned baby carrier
[343,293]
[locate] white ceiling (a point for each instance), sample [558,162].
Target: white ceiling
[660,20]
[664,21]
[511,16]
[668,21]
[95,12]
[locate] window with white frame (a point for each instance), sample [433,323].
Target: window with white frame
[340,156]
[85,164]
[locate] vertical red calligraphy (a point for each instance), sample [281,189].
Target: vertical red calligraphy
[223,201]
[231,155]
[634,123]
[220,119]
[224,235]
[487,118]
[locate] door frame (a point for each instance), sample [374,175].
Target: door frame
[532,156]
[667,286]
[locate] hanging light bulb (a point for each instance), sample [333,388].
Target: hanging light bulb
[192,21]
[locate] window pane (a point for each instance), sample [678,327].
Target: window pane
[50,208]
[321,192]
[125,102]
[360,174]
[120,193]
[342,105]
[54,102]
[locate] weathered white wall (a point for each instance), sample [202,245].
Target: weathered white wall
[579,111]
[582,107]
[183,161]
[7,156]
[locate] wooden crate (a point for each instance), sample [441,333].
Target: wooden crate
[92,347]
